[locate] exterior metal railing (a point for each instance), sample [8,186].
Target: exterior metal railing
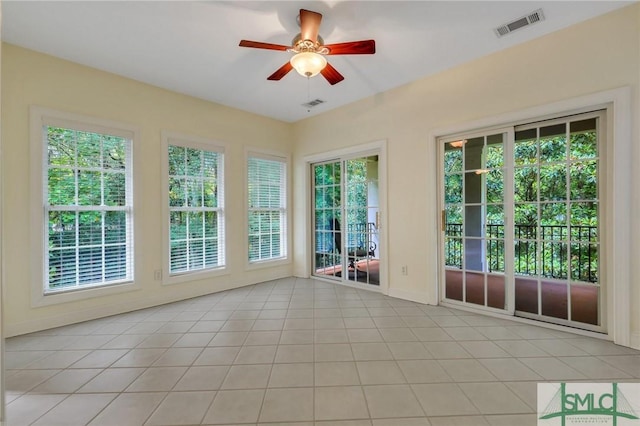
[556,260]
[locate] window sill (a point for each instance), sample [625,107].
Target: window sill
[269,263]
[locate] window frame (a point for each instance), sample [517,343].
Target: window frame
[285,208]
[195,142]
[40,118]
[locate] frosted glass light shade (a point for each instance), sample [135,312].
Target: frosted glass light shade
[308,64]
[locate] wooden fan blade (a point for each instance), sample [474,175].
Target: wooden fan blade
[331,74]
[281,72]
[260,45]
[309,24]
[362,47]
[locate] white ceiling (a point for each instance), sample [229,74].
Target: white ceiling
[191,47]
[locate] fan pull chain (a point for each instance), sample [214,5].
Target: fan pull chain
[308,93]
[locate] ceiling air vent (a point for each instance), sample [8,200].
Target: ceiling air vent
[530,19]
[313,103]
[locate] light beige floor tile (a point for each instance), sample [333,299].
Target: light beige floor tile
[235,407]
[423,371]
[159,341]
[28,408]
[512,419]
[238,325]
[287,405]
[194,340]
[559,347]
[126,341]
[522,348]
[139,358]
[359,322]
[202,378]
[247,377]
[206,326]
[371,352]
[408,350]
[338,403]
[268,325]
[388,401]
[176,327]
[328,323]
[18,359]
[449,321]
[90,342]
[178,357]
[464,333]
[398,334]
[552,369]
[330,336]
[76,410]
[112,380]
[595,368]
[182,408]
[415,421]
[484,349]
[101,358]
[296,337]
[256,355]
[157,379]
[461,421]
[446,350]
[494,398]
[229,338]
[466,370]
[497,333]
[129,409]
[336,374]
[58,359]
[333,352]
[261,338]
[627,363]
[443,399]
[24,380]
[526,391]
[67,381]
[294,353]
[217,356]
[431,334]
[291,375]
[510,369]
[360,335]
[379,373]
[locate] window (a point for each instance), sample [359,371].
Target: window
[267,207]
[87,207]
[196,214]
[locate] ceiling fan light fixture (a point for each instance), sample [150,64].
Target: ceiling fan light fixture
[308,64]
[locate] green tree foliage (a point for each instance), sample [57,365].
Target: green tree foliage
[85,169]
[556,201]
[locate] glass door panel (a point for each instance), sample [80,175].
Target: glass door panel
[327,202]
[556,215]
[473,221]
[361,217]
[346,220]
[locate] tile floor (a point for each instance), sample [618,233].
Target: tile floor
[297,352]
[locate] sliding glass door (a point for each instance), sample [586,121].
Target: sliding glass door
[521,220]
[346,220]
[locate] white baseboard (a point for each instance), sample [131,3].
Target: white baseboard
[412,296]
[67,318]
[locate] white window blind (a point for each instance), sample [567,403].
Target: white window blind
[196,215]
[267,208]
[88,209]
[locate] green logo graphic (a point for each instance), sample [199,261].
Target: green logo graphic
[586,404]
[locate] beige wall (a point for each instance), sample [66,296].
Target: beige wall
[30,78]
[597,55]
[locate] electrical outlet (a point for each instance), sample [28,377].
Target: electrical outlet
[405,270]
[157,275]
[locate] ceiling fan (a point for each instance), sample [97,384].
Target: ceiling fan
[309,49]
